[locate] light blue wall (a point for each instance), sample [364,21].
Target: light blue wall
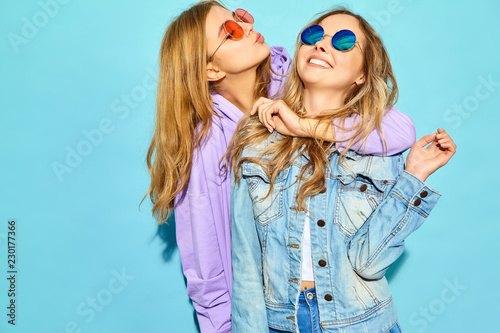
[87,69]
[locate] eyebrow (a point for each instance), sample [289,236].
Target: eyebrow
[222,25]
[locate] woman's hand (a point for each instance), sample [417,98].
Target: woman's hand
[276,115]
[423,162]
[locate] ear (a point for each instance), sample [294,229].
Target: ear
[214,73]
[360,80]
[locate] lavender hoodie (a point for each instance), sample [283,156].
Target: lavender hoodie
[203,212]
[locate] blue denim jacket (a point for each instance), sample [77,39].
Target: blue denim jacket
[358,228]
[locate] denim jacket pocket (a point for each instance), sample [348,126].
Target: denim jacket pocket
[267,206]
[357,197]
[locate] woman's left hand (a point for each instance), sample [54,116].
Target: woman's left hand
[423,162]
[276,115]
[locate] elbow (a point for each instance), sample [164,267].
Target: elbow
[370,274]
[399,131]
[409,135]
[367,271]
[375,267]
[410,129]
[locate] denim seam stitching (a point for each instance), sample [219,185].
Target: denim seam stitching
[336,218]
[358,318]
[372,295]
[359,298]
[310,313]
[387,239]
[390,328]
[408,204]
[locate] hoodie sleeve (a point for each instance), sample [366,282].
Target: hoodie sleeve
[280,65]
[202,214]
[398,129]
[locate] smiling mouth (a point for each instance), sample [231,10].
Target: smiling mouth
[320,63]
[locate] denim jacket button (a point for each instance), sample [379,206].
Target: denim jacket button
[321,223]
[417,202]
[322,263]
[310,295]
[328,297]
[423,194]
[363,188]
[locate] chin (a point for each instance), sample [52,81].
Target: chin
[310,78]
[264,48]
[262,53]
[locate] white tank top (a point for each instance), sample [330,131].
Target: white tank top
[307,265]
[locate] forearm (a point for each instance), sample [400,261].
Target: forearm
[380,241]
[249,312]
[216,319]
[397,127]
[200,253]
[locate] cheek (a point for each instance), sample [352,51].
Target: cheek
[301,53]
[342,61]
[349,62]
[348,68]
[226,56]
[301,59]
[242,55]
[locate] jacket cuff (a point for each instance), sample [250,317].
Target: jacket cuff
[415,194]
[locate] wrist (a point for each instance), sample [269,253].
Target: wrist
[305,127]
[417,173]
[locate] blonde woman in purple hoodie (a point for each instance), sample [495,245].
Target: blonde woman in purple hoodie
[213,67]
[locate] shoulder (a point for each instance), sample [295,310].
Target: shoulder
[280,67]
[256,150]
[395,114]
[280,60]
[213,133]
[213,145]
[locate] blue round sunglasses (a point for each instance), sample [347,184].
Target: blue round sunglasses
[344,40]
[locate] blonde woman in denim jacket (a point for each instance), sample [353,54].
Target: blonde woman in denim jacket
[208,80]
[314,229]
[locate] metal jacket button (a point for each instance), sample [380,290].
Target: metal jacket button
[417,202]
[322,263]
[310,295]
[321,223]
[363,188]
[328,297]
[423,194]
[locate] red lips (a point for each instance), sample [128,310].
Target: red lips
[259,38]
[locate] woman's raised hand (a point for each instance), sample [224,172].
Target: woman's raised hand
[423,162]
[276,115]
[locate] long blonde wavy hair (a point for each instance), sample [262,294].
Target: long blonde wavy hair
[183,106]
[369,100]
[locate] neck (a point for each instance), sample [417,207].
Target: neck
[239,89]
[316,100]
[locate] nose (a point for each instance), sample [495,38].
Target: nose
[247,27]
[321,45]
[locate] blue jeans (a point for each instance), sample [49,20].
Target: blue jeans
[308,314]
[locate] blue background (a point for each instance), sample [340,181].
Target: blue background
[88,67]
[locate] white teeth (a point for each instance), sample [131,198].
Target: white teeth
[320,62]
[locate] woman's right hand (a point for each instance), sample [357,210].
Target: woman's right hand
[276,115]
[423,162]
